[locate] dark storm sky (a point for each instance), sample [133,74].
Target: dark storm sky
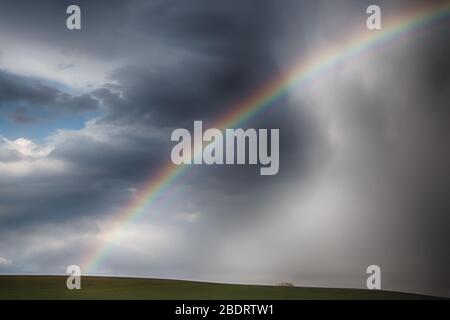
[86,117]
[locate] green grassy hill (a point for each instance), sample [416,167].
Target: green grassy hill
[54,287]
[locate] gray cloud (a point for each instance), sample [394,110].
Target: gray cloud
[25,99]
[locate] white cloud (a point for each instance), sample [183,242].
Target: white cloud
[26,147]
[26,157]
[5,262]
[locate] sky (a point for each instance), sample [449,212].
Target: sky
[86,117]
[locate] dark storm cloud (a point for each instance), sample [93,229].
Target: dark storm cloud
[218,55]
[187,60]
[25,99]
[222,54]
[222,58]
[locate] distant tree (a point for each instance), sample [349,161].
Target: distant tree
[285,284]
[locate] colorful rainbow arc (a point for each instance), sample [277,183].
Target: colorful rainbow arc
[296,77]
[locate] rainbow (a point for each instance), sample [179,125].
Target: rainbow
[296,77]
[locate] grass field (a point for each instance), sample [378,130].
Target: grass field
[54,287]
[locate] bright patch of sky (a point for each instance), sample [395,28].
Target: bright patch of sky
[39,130]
